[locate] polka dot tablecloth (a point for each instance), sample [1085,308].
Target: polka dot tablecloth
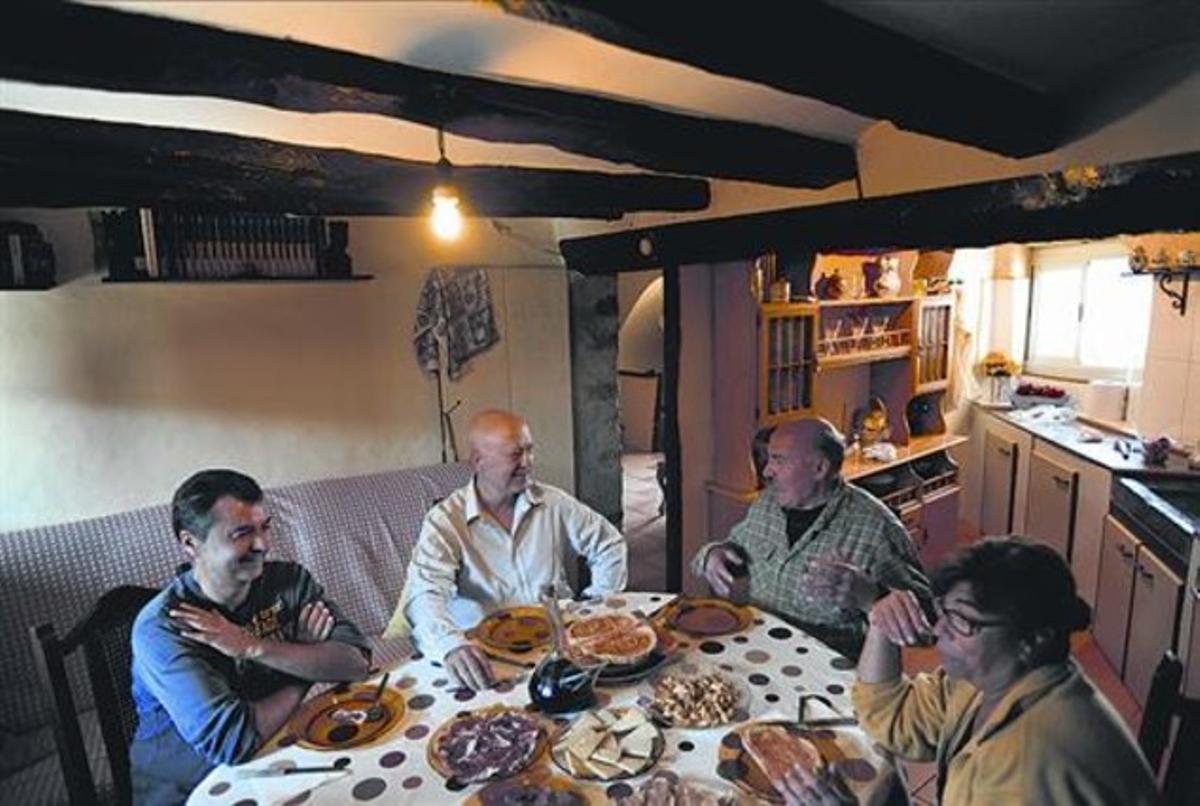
[772,661]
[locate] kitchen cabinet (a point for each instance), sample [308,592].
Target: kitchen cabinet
[1003,475]
[1110,619]
[935,343]
[1152,620]
[1051,508]
[999,483]
[786,361]
[1191,610]
[1137,608]
[1056,476]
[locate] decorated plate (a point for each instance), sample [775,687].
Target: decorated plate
[706,617]
[537,785]
[844,754]
[494,742]
[693,696]
[615,674]
[630,751]
[665,786]
[342,718]
[514,629]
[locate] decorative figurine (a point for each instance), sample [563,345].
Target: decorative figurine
[831,286]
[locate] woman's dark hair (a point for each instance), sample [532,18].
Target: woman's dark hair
[1024,582]
[191,506]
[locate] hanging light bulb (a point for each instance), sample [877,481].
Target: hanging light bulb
[446,217]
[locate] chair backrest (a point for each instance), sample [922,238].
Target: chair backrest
[1181,783]
[1159,713]
[104,636]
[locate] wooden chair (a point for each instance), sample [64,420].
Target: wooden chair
[1166,706]
[1159,713]
[104,636]
[1181,782]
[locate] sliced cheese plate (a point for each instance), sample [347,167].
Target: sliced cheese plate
[608,744]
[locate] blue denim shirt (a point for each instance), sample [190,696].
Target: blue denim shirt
[195,704]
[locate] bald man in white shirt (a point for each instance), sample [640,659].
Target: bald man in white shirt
[495,543]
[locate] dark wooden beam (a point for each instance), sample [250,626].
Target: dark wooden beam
[1089,202]
[672,442]
[67,162]
[87,46]
[811,49]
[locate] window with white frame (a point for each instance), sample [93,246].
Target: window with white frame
[1087,318]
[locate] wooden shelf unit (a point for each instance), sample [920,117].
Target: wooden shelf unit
[786,361]
[934,349]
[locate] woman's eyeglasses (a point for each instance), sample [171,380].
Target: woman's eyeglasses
[960,623]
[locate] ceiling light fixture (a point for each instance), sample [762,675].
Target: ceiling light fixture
[446,218]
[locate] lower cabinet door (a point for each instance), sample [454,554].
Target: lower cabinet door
[1114,594]
[1157,594]
[999,484]
[1051,513]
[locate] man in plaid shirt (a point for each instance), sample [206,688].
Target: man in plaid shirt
[819,552]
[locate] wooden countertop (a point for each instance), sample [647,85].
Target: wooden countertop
[855,466]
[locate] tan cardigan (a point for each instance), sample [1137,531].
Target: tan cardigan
[1052,739]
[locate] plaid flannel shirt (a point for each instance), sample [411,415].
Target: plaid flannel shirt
[854,524]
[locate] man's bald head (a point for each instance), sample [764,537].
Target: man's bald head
[491,424]
[804,461]
[501,452]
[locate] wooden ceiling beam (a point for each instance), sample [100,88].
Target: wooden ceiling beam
[67,162]
[1089,202]
[808,48]
[87,46]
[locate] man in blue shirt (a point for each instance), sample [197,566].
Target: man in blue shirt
[224,655]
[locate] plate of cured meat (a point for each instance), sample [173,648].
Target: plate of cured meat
[537,786]
[486,743]
[629,646]
[753,755]
[706,616]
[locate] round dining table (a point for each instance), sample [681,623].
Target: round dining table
[771,661]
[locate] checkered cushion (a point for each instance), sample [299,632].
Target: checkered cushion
[354,534]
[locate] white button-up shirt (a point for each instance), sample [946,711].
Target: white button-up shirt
[466,564]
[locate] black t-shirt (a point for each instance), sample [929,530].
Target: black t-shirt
[799,520]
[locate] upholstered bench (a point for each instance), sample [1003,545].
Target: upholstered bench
[354,534]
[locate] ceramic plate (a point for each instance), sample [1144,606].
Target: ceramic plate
[514,629]
[338,718]
[445,771]
[705,617]
[558,754]
[646,694]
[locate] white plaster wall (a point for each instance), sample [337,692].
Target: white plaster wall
[111,394]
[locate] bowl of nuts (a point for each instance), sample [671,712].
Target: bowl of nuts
[692,696]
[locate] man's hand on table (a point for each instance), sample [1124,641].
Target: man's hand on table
[315,623]
[838,581]
[469,667]
[719,569]
[899,617]
[211,628]
[822,788]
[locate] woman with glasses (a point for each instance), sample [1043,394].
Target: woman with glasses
[1008,717]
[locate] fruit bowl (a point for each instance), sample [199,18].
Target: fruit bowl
[1028,395]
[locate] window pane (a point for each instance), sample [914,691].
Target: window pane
[1055,322]
[1116,316]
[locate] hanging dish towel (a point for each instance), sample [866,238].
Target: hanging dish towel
[455,306]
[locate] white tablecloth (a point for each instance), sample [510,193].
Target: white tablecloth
[775,662]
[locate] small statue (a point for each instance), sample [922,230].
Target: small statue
[888,284]
[874,427]
[831,286]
